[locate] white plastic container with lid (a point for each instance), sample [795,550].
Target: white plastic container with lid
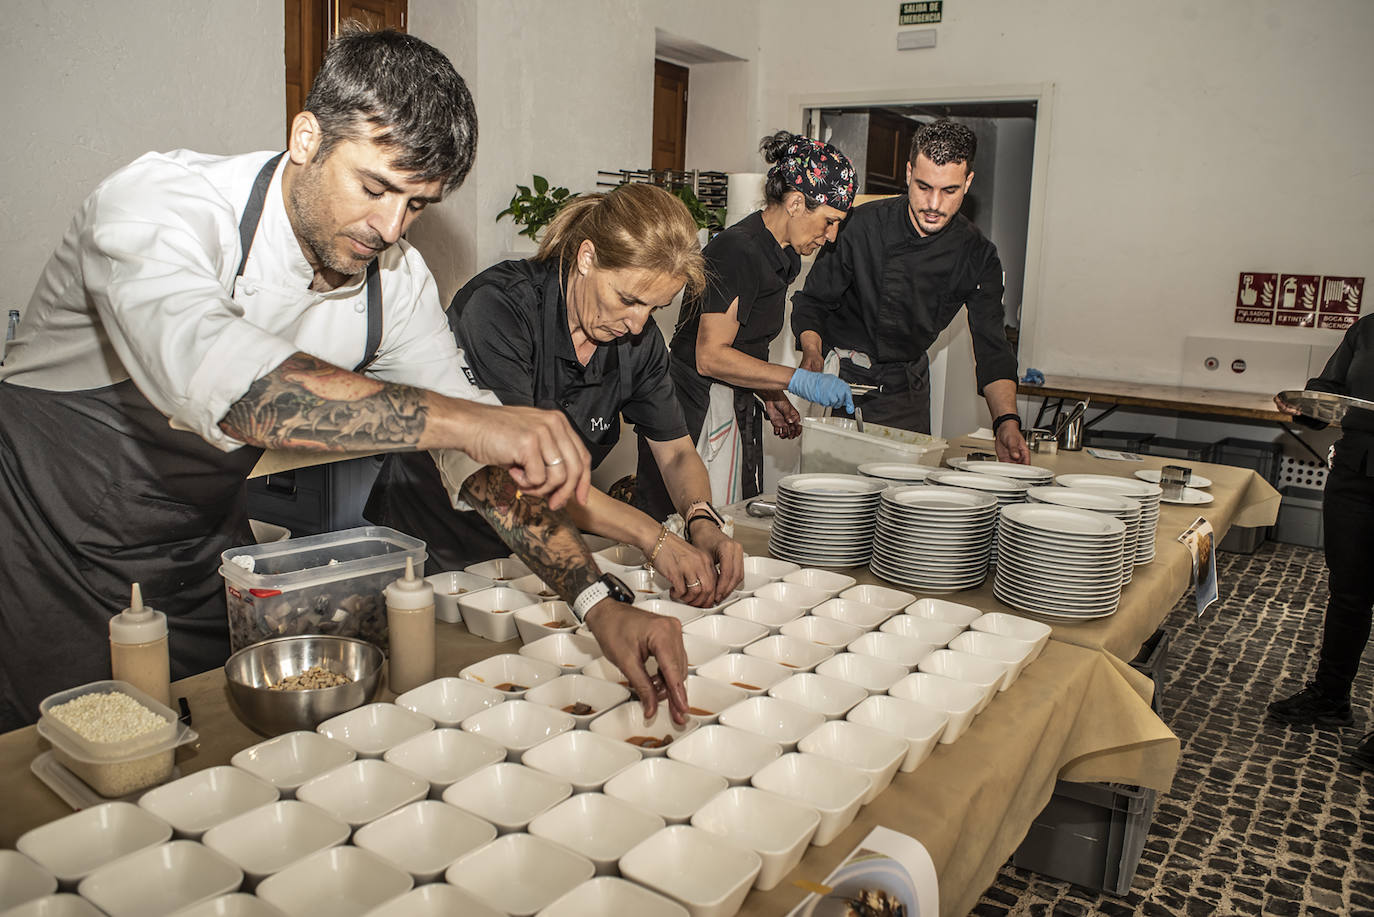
[832,444]
[410,621]
[138,649]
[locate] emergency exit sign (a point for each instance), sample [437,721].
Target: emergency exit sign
[921,13]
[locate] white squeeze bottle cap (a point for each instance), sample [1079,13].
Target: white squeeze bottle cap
[138,623]
[410,591]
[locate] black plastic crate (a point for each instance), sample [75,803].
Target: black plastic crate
[1244,540]
[1120,440]
[1263,457]
[1090,834]
[1300,517]
[1153,661]
[1191,449]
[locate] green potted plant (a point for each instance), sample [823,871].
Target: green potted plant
[535,207]
[707,218]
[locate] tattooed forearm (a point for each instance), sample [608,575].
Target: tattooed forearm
[306,403]
[545,539]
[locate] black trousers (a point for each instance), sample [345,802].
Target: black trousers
[1348,528]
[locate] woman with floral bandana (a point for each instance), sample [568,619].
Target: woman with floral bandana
[720,347]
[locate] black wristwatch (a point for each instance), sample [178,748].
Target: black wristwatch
[701,510]
[1004,418]
[605,587]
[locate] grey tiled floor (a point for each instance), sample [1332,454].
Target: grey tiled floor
[1262,818]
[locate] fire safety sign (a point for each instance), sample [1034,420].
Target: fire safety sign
[1298,300]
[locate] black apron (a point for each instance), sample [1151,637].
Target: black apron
[97,492]
[409,495]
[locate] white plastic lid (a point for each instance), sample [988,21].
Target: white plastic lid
[410,591]
[138,623]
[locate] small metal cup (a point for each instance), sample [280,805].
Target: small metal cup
[1071,437]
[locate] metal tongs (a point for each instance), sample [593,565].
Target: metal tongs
[1063,421]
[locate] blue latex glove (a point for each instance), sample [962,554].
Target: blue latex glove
[822,388]
[1034,377]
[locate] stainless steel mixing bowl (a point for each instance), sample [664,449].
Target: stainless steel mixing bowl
[252,669]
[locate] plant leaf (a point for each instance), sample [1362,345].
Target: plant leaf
[541,184]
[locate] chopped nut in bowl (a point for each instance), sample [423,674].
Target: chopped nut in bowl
[283,685]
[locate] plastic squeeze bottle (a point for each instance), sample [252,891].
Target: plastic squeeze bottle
[410,620]
[138,649]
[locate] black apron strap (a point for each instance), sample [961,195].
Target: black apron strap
[374,316]
[252,214]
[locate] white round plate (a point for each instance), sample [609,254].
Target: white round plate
[990,483]
[1098,501]
[939,499]
[1062,520]
[1191,496]
[1130,487]
[896,471]
[1152,475]
[831,485]
[1003,469]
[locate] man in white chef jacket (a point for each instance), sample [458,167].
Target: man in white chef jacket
[203,308]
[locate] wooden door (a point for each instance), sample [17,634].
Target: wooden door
[670,116]
[889,146]
[309,26]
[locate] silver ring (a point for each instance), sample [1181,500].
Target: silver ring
[694,585]
[554,461]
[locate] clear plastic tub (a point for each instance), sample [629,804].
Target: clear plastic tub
[319,584]
[832,444]
[115,768]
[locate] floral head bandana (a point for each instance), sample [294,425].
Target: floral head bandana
[819,171]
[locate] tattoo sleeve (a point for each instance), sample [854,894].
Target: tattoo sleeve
[545,539]
[306,403]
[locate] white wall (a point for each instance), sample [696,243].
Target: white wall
[90,86]
[1189,141]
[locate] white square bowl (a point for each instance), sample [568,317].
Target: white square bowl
[531,584]
[751,582]
[425,838]
[627,722]
[821,580]
[708,698]
[829,697]
[340,882]
[508,795]
[684,613]
[534,622]
[875,754]
[646,584]
[583,758]
[975,670]
[701,649]
[237,904]
[944,610]
[269,839]
[884,597]
[21,879]
[292,758]
[770,567]
[958,700]
[449,700]
[363,791]
[833,789]
[373,728]
[510,673]
[568,691]
[775,828]
[445,756]
[448,587]
[520,874]
[610,895]
[776,720]
[733,753]
[606,670]
[74,846]
[793,652]
[1014,654]
[624,556]
[500,570]
[1005,625]
[793,595]
[598,827]
[196,803]
[438,900]
[750,674]
[488,614]
[770,613]
[518,726]
[64,904]
[865,617]
[872,674]
[570,652]
[827,632]
[670,789]
[919,726]
[926,630]
[159,880]
[904,651]
[701,871]
[734,633]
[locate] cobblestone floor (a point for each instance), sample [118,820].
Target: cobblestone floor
[1262,818]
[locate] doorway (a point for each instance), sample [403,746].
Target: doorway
[670,117]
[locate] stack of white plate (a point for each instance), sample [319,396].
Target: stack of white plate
[1143,492]
[1059,561]
[935,539]
[1031,474]
[1006,490]
[1123,508]
[897,472]
[826,520]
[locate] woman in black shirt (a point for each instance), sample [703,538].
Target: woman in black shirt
[1348,530]
[570,329]
[725,331]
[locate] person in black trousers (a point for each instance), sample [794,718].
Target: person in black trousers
[1348,530]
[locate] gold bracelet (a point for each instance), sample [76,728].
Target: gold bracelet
[653,556]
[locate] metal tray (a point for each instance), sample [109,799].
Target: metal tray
[1324,406]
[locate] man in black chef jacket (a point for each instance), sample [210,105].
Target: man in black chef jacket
[896,277]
